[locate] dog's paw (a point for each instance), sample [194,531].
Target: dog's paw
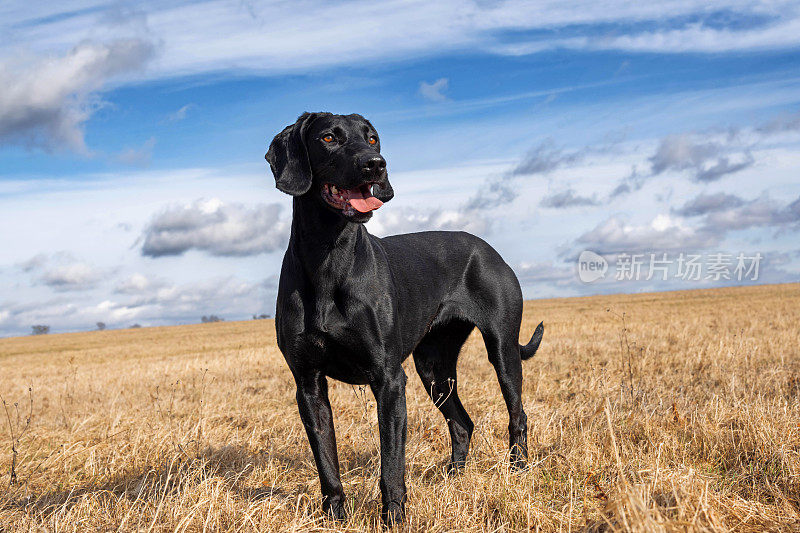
[519,458]
[455,467]
[334,508]
[393,514]
[519,465]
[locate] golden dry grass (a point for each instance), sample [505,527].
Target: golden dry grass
[685,418]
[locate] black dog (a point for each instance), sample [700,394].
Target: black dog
[353,307]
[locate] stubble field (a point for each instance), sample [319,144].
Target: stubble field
[674,411]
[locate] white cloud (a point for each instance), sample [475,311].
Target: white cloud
[217,228]
[217,35]
[785,122]
[568,198]
[708,156]
[45,101]
[180,114]
[137,284]
[708,203]
[663,233]
[72,277]
[140,156]
[434,91]
[692,38]
[545,272]
[761,212]
[540,160]
[410,219]
[700,38]
[707,160]
[228,297]
[34,263]
[62,272]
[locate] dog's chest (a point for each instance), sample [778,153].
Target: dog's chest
[347,357]
[338,321]
[343,326]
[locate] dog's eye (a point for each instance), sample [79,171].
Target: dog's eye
[328,138]
[372,140]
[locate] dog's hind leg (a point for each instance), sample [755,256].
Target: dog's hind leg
[435,358]
[504,354]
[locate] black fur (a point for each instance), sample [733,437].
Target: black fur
[353,307]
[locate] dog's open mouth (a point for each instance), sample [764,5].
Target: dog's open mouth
[358,199]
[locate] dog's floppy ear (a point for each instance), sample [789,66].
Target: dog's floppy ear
[288,158]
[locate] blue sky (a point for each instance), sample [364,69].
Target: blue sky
[133,187]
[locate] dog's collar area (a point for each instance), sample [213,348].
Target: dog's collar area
[349,201]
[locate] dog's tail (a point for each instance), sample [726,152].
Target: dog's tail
[529,350]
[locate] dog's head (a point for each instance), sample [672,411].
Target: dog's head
[336,159]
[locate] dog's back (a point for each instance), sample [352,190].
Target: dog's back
[444,274]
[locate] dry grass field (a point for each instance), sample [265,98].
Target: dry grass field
[674,411]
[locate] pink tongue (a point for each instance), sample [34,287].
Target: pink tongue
[362,200]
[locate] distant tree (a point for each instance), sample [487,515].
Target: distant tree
[101,326]
[40,330]
[135,326]
[211,318]
[261,317]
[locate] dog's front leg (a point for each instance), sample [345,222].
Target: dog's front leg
[315,411]
[390,395]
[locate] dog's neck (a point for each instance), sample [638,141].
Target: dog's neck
[323,241]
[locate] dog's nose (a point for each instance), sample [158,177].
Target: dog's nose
[374,165]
